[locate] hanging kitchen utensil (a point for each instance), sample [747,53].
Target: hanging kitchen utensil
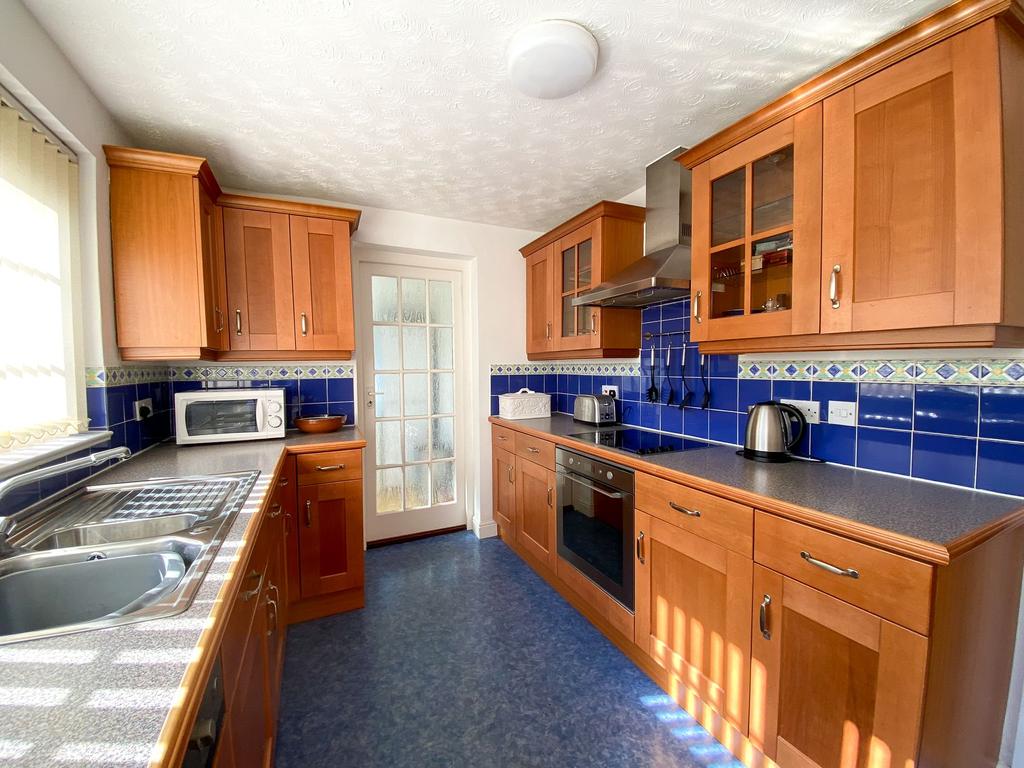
[668,377]
[652,391]
[706,381]
[687,395]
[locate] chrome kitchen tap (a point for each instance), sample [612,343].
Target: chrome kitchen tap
[32,476]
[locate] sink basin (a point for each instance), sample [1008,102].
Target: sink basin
[63,595]
[115,554]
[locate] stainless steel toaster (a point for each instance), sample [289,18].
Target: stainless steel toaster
[594,409]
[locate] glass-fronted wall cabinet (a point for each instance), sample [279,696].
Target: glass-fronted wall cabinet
[570,260]
[757,235]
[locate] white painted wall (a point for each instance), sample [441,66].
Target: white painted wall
[35,70]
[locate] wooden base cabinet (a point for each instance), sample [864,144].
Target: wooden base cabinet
[535,511]
[692,615]
[503,478]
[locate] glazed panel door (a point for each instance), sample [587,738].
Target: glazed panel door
[831,684]
[911,165]
[577,265]
[691,613]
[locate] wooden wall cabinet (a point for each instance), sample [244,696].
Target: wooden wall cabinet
[200,274]
[569,260]
[906,206]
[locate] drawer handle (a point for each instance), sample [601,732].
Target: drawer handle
[329,467]
[763,617]
[531,449]
[850,573]
[251,593]
[275,510]
[501,437]
[282,482]
[684,510]
[640,548]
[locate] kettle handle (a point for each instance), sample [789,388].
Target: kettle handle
[795,415]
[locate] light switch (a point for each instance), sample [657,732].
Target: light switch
[842,412]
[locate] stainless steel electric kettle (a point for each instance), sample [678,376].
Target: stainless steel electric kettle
[770,434]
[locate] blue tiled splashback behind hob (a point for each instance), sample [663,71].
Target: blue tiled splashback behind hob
[310,389]
[957,422]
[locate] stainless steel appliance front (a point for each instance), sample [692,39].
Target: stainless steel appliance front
[595,521]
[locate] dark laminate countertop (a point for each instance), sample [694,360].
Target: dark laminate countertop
[102,697]
[925,520]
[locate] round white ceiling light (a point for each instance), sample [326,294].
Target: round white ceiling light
[551,59]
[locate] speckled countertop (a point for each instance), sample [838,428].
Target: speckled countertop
[100,698]
[938,517]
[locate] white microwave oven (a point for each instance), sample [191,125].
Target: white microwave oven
[224,415]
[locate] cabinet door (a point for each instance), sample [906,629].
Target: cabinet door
[289,500]
[247,707]
[322,273]
[757,235]
[576,263]
[691,613]
[259,273]
[540,301]
[331,537]
[504,490]
[275,619]
[913,180]
[215,290]
[831,684]
[535,511]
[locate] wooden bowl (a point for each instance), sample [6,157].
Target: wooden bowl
[318,424]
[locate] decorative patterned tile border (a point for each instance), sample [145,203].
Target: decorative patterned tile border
[570,367]
[263,371]
[1007,373]
[129,374]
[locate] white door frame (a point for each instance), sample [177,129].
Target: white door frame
[365,259]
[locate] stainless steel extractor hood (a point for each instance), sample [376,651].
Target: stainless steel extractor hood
[664,272]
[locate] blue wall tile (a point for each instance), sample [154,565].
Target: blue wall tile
[672,419]
[695,423]
[499,385]
[312,391]
[886,450]
[834,442]
[722,426]
[1002,413]
[886,405]
[944,458]
[753,391]
[791,390]
[340,390]
[825,392]
[1000,467]
[946,410]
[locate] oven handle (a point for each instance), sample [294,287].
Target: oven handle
[579,480]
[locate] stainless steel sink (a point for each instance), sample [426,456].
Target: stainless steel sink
[115,554]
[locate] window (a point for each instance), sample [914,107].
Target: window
[40,381]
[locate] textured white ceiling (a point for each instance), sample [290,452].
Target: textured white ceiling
[404,104]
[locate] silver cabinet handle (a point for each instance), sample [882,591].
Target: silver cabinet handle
[329,467]
[275,510]
[238,322]
[549,496]
[833,286]
[849,573]
[271,604]
[503,438]
[531,449]
[548,332]
[511,477]
[640,548]
[593,322]
[309,513]
[684,510]
[696,307]
[303,324]
[763,617]
[249,594]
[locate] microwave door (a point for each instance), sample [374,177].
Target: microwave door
[221,417]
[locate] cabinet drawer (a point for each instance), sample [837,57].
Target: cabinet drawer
[702,514]
[329,467]
[536,450]
[888,585]
[503,437]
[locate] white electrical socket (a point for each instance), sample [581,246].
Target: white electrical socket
[610,389]
[842,412]
[147,403]
[809,408]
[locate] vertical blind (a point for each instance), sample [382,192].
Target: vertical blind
[39,376]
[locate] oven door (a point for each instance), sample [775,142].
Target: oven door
[595,533]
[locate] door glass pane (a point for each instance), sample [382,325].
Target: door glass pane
[385,348]
[568,317]
[416,436]
[773,191]
[727,282]
[442,482]
[386,401]
[771,273]
[442,442]
[414,300]
[442,393]
[389,442]
[441,302]
[414,347]
[442,348]
[415,395]
[584,250]
[389,490]
[385,299]
[417,486]
[728,207]
[585,320]
[568,270]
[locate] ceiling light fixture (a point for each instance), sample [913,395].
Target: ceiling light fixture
[551,59]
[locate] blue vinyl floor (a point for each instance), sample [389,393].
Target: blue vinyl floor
[463,656]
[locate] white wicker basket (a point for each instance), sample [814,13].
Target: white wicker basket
[524,404]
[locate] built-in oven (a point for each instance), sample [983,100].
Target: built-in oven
[595,521]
